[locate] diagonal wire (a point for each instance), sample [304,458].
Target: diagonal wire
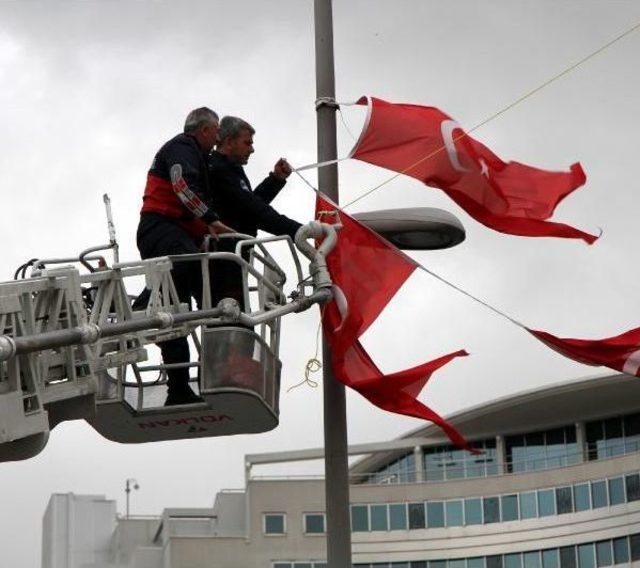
[503,110]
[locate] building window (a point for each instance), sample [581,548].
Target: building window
[613,436]
[586,556]
[314,523]
[604,553]
[416,516]
[494,562]
[274,523]
[550,558]
[472,512]
[564,500]
[528,506]
[581,497]
[509,505]
[541,450]
[379,520]
[532,560]
[398,517]
[599,494]
[448,462]
[634,546]
[475,562]
[620,550]
[359,518]
[568,557]
[491,510]
[546,503]
[616,491]
[633,487]
[455,513]
[435,514]
[513,560]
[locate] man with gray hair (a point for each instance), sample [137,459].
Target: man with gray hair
[238,205]
[176,215]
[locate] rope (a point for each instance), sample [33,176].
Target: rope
[469,295]
[503,110]
[313,364]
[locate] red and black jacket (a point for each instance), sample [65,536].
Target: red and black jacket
[188,202]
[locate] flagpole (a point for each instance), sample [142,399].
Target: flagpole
[335,413]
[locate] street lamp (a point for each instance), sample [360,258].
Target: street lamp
[415,228]
[130,484]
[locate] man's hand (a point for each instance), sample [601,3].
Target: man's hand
[282,169]
[218,228]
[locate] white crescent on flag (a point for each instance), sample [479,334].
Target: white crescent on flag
[447,127]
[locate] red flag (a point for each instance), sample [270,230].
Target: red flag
[621,352]
[425,143]
[367,272]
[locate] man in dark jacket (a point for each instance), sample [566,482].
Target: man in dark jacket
[238,205]
[176,215]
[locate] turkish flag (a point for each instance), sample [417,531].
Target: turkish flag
[621,353]
[425,143]
[367,271]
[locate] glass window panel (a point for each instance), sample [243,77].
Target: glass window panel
[586,556]
[532,560]
[564,500]
[398,517]
[494,561]
[399,565]
[581,497]
[435,514]
[546,503]
[491,509]
[314,523]
[282,565]
[274,523]
[359,518]
[438,564]
[319,565]
[509,507]
[528,505]
[419,564]
[568,557]
[513,444]
[416,516]
[550,558]
[472,512]
[594,431]
[457,563]
[632,425]
[455,515]
[604,553]
[433,466]
[634,545]
[616,491]
[599,494]
[620,550]
[512,561]
[633,487]
[475,562]
[302,565]
[570,434]
[613,428]
[379,520]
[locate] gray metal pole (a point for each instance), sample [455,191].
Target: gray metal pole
[335,415]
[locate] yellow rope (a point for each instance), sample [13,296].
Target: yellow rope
[502,111]
[313,364]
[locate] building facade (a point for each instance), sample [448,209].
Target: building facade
[556,484]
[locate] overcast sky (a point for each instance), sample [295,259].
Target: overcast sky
[90,90]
